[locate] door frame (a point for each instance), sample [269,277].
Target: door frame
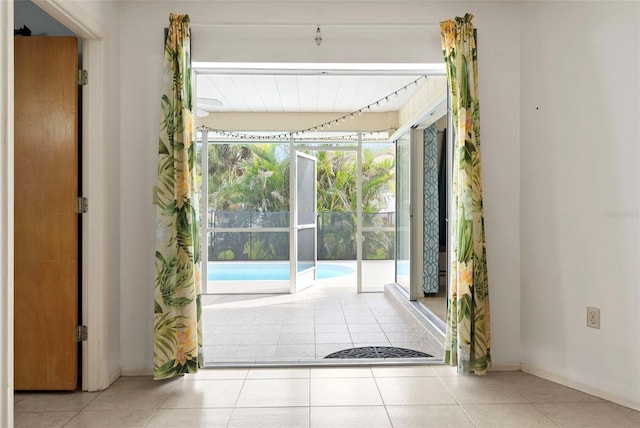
[95,302]
[95,299]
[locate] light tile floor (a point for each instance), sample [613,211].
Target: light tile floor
[369,397]
[302,327]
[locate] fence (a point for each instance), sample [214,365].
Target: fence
[336,232]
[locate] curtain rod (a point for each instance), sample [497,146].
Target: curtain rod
[310,24]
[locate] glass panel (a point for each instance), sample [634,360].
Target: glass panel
[306,190]
[403,218]
[306,249]
[244,219]
[226,246]
[247,179]
[337,236]
[378,245]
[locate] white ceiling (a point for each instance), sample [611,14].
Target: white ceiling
[307,93]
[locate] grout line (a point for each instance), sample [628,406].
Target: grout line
[545,415]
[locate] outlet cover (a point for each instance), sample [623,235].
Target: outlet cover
[593,317]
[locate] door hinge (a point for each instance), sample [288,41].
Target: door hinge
[83,77]
[82,334]
[82,205]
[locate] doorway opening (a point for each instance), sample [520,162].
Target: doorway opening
[245,232]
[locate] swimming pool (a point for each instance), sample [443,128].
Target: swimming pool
[247,271]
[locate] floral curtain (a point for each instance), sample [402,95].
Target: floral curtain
[177,332]
[468,341]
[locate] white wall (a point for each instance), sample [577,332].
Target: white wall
[142,26]
[580,193]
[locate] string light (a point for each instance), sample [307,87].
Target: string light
[352,137]
[321,126]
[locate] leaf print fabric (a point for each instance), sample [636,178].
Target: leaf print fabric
[468,321]
[177,309]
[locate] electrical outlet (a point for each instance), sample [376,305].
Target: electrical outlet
[593,317]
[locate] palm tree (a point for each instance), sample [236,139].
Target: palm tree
[253,182]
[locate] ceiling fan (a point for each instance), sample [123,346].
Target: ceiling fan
[204,106]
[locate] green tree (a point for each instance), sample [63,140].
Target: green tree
[253,182]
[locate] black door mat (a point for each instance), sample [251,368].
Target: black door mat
[378,352]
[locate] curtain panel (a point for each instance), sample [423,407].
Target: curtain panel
[177,305]
[431,244]
[468,341]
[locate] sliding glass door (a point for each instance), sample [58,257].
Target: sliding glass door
[403,212]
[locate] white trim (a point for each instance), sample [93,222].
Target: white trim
[135,372]
[6,214]
[505,367]
[115,376]
[74,17]
[606,395]
[95,350]
[283,68]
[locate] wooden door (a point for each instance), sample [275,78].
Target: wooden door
[46,223]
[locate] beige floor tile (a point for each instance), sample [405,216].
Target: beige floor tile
[359,319]
[255,351]
[351,417]
[212,353]
[590,415]
[297,351]
[128,394]
[390,319]
[632,414]
[369,338]
[538,390]
[283,417]
[413,391]
[415,346]
[473,389]
[53,401]
[111,418]
[279,373]
[333,338]
[298,328]
[395,328]
[260,339]
[402,371]
[42,419]
[344,392]
[217,373]
[204,394]
[364,328]
[296,338]
[445,371]
[223,339]
[507,416]
[174,418]
[403,336]
[434,416]
[332,328]
[274,393]
[340,372]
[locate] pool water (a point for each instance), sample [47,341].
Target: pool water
[247,271]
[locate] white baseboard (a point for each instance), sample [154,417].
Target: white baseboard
[505,367]
[606,395]
[136,372]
